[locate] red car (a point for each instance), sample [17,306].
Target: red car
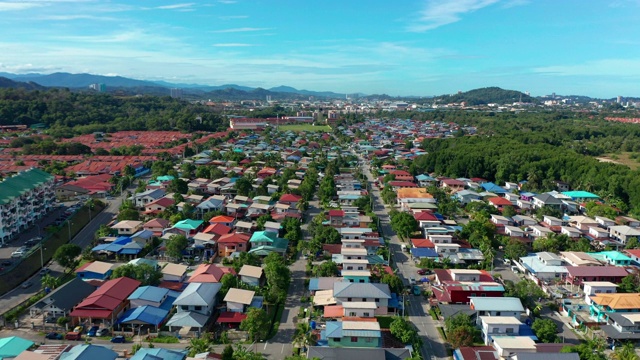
[424,271]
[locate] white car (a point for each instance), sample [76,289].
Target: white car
[18,253]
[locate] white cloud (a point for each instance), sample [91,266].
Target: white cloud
[76,17]
[232,45]
[603,67]
[15,6]
[233,17]
[176,6]
[227,1]
[437,13]
[242,29]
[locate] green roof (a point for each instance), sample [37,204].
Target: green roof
[579,194]
[188,224]
[21,183]
[11,347]
[613,255]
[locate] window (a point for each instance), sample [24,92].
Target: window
[349,299]
[376,299]
[354,339]
[184,307]
[352,313]
[366,314]
[369,340]
[364,299]
[473,294]
[197,308]
[509,330]
[497,313]
[361,281]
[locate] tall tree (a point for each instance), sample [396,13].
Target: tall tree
[256,324]
[66,256]
[176,245]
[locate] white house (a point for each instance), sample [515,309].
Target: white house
[513,231]
[238,299]
[198,297]
[498,326]
[598,233]
[623,232]
[597,287]
[500,220]
[570,232]
[604,222]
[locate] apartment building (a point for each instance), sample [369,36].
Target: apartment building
[24,198]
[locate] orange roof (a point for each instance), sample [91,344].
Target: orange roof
[209,273]
[222,219]
[333,311]
[618,301]
[420,193]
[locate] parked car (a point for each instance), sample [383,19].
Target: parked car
[44,271]
[6,263]
[423,272]
[118,339]
[93,330]
[26,284]
[51,319]
[73,336]
[102,332]
[412,281]
[19,253]
[79,329]
[54,336]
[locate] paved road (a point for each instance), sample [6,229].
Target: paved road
[433,347]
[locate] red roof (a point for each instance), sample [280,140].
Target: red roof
[221,219]
[209,273]
[158,222]
[633,252]
[336,213]
[399,172]
[422,243]
[332,248]
[233,238]
[402,184]
[597,271]
[217,229]
[425,216]
[164,202]
[333,311]
[102,302]
[452,182]
[231,317]
[291,198]
[498,201]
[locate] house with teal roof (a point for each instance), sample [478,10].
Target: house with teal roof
[265,242]
[11,347]
[612,257]
[580,196]
[363,334]
[188,227]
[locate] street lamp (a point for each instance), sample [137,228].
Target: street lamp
[41,255]
[69,226]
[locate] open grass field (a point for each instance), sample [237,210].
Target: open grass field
[623,158]
[304,127]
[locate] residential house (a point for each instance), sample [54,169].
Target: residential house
[26,198]
[357,353]
[89,352]
[336,218]
[634,254]
[265,242]
[623,233]
[159,354]
[578,258]
[578,274]
[604,304]
[615,258]
[413,195]
[157,226]
[513,231]
[238,299]
[596,233]
[198,297]
[500,220]
[355,334]
[62,300]
[106,303]
[186,227]
[467,196]
[622,327]
[251,275]
[457,286]
[499,202]
[366,292]
[544,266]
[289,199]
[491,326]
[233,242]
[174,272]
[507,345]
[582,223]
[604,222]
[95,270]
[496,307]
[213,203]
[141,200]
[523,220]
[228,221]
[552,221]
[570,232]
[629,221]
[157,206]
[538,231]
[149,296]
[127,227]
[256,210]
[597,287]
[209,273]
[542,200]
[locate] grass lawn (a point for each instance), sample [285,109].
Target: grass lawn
[623,158]
[304,127]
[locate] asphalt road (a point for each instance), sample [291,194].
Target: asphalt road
[433,344]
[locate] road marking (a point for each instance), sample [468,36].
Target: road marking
[265,345]
[282,352]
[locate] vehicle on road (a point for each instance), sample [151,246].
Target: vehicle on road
[19,253]
[53,336]
[73,336]
[51,319]
[6,263]
[44,271]
[412,281]
[118,339]
[417,290]
[424,272]
[93,330]
[78,329]
[26,284]
[102,332]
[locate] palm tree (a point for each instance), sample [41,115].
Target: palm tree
[304,336]
[625,352]
[50,282]
[199,345]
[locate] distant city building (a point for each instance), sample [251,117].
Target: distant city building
[619,99]
[176,93]
[98,87]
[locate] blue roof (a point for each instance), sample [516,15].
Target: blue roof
[333,329]
[149,293]
[491,187]
[423,252]
[85,351]
[578,194]
[158,353]
[313,284]
[143,234]
[256,302]
[145,314]
[394,302]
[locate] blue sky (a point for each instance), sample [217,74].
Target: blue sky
[405,47]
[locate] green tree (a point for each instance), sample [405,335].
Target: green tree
[175,245]
[145,273]
[199,345]
[129,214]
[402,330]
[256,324]
[278,276]
[526,290]
[632,243]
[509,211]
[244,186]
[303,336]
[403,224]
[66,256]
[629,283]
[262,220]
[514,249]
[625,352]
[326,269]
[227,353]
[460,330]
[589,350]
[394,282]
[49,281]
[546,330]
[178,186]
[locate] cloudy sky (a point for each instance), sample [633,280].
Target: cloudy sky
[405,47]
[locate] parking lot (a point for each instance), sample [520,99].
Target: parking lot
[20,246]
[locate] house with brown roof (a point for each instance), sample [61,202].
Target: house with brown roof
[158,206]
[174,272]
[233,242]
[578,274]
[603,304]
[238,299]
[127,227]
[251,275]
[209,273]
[156,226]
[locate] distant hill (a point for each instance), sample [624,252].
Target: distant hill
[8,83]
[289,89]
[81,80]
[487,95]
